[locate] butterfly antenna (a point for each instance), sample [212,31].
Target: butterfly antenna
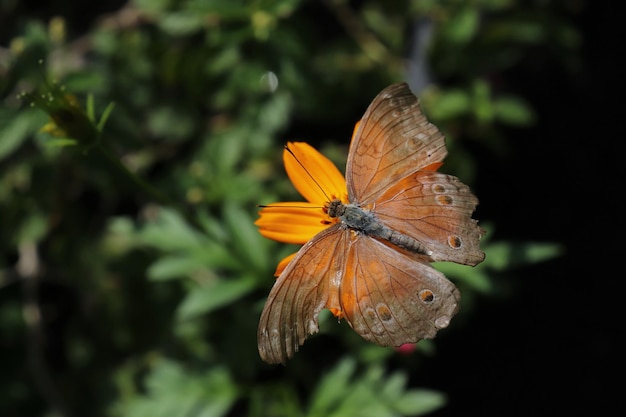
[308,173]
[283,206]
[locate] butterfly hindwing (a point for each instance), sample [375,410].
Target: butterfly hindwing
[436,210]
[390,297]
[299,294]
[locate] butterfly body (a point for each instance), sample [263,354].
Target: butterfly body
[372,267]
[365,221]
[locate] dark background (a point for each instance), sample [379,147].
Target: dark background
[552,349]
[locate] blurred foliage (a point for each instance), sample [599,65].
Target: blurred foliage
[135,144]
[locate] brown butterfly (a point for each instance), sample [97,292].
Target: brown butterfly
[371,267]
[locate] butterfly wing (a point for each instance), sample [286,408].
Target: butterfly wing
[392,297]
[388,296]
[435,209]
[300,293]
[393,139]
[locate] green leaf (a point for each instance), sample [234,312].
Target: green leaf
[343,394]
[223,61]
[85,82]
[33,228]
[394,386]
[60,142]
[475,277]
[513,111]
[505,255]
[419,401]
[462,26]
[152,6]
[246,237]
[482,103]
[174,391]
[219,293]
[182,23]
[170,123]
[225,9]
[449,104]
[332,387]
[213,227]
[105,116]
[170,231]
[171,267]
[17,126]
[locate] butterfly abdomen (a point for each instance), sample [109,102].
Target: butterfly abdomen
[404,241]
[354,217]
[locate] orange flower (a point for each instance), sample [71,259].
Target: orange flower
[318,180]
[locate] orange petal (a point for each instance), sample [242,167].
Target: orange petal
[314,176]
[295,222]
[283,264]
[356,127]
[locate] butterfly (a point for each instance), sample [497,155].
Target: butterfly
[373,267]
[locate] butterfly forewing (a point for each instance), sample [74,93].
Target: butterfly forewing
[436,210]
[393,139]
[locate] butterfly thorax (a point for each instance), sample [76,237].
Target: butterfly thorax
[356,218]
